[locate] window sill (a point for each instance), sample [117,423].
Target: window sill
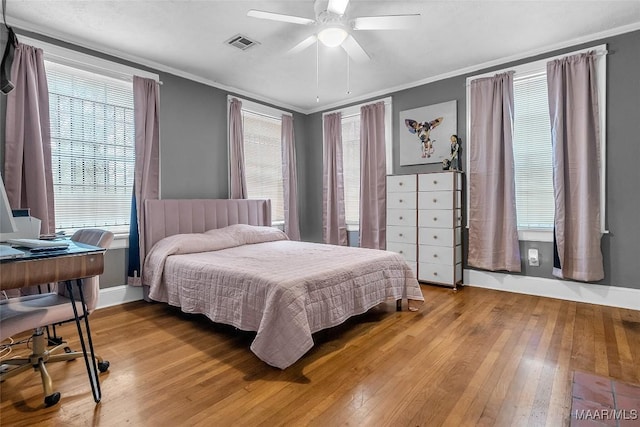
[535,235]
[353,227]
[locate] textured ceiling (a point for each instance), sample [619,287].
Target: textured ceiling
[188,38]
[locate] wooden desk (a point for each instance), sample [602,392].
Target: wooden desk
[75,263]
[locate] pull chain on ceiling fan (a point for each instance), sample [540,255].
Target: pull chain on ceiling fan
[334,27]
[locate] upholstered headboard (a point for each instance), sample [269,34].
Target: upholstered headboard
[180,216]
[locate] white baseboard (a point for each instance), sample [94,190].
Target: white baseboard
[553,288]
[116,295]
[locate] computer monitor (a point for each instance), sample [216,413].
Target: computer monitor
[7,223]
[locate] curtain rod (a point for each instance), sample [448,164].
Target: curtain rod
[271,112]
[87,61]
[61,59]
[600,52]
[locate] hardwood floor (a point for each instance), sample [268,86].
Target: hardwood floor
[472,357]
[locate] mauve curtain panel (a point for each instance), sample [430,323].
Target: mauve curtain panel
[27,160]
[290,179]
[493,233]
[373,171]
[237,179]
[147,165]
[334,227]
[575,136]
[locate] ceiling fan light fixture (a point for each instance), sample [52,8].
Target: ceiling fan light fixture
[332,36]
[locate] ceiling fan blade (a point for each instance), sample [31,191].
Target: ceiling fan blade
[387,22]
[303,44]
[354,50]
[279,17]
[337,6]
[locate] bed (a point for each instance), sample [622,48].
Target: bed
[222,259]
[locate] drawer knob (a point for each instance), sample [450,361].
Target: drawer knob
[401,251]
[435,237]
[435,273]
[435,255]
[401,234]
[401,183]
[400,200]
[435,182]
[435,218]
[401,218]
[435,200]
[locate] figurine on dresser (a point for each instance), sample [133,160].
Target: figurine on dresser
[453,162]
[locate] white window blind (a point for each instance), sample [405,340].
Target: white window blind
[351,167]
[532,151]
[92,145]
[350,127]
[532,148]
[263,160]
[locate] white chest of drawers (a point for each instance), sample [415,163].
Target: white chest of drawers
[439,228]
[402,231]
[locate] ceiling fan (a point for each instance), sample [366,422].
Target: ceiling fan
[334,27]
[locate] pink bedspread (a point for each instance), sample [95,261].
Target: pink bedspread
[256,280]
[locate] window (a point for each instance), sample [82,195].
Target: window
[263,156]
[92,148]
[351,167]
[92,138]
[351,159]
[532,151]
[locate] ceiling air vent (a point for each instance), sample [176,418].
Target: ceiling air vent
[241,42]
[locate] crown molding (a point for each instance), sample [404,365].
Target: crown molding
[26,26]
[379,93]
[474,68]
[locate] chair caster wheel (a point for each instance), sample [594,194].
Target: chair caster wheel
[68,350]
[52,399]
[103,366]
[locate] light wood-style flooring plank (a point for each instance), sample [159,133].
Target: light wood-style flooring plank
[474,357]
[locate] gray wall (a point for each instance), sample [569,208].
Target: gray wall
[193,132]
[193,139]
[193,144]
[311,156]
[194,152]
[621,246]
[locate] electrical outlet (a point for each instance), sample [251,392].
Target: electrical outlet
[533,257]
